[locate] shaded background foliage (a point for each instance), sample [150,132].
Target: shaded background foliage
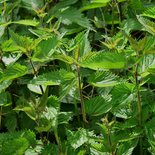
[77,77]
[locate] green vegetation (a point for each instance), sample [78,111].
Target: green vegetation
[77,77]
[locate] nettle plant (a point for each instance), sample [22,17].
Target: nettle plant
[77,77]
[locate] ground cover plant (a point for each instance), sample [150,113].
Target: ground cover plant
[77,77]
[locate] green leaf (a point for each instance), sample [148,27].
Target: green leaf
[45,49]
[36,88]
[16,143]
[149,12]
[64,117]
[5,99]
[48,119]
[103,60]
[97,106]
[26,22]
[147,24]
[81,41]
[127,148]
[30,111]
[55,10]
[13,71]
[78,138]
[53,78]
[4,85]
[95,4]
[122,98]
[103,79]
[71,15]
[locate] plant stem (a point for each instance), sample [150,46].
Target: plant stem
[35,73]
[109,137]
[58,141]
[81,96]
[139,106]
[79,85]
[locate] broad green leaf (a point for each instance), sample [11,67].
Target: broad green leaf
[71,15]
[45,49]
[44,99]
[147,24]
[30,111]
[23,43]
[122,98]
[103,60]
[5,99]
[147,64]
[78,138]
[48,119]
[95,4]
[53,78]
[65,58]
[4,85]
[149,12]
[97,106]
[127,148]
[32,4]
[64,117]
[55,10]
[16,146]
[36,88]
[13,71]
[16,143]
[103,79]
[82,42]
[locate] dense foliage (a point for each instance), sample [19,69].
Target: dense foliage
[77,77]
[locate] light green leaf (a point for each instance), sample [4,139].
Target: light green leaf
[64,117]
[78,138]
[4,85]
[147,24]
[127,148]
[26,22]
[103,79]
[103,60]
[5,99]
[97,106]
[53,78]
[45,49]
[71,15]
[13,71]
[30,111]
[36,88]
[149,12]
[95,4]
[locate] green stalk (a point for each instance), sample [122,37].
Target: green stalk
[35,73]
[58,141]
[139,107]
[81,95]
[79,85]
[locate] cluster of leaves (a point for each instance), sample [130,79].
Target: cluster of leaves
[77,77]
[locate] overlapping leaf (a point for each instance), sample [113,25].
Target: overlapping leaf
[103,79]
[103,60]
[97,106]
[13,71]
[53,78]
